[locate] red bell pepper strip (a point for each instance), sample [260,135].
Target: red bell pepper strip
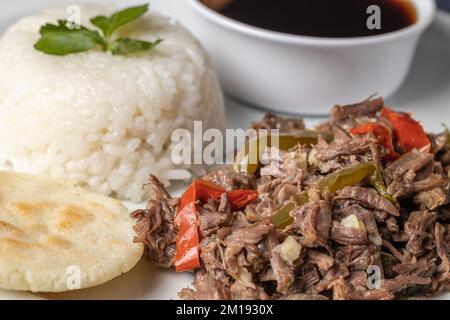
[187,255]
[409,134]
[200,190]
[382,133]
[239,199]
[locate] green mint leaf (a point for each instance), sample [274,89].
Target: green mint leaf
[102,23]
[60,40]
[118,19]
[47,28]
[126,16]
[124,46]
[61,26]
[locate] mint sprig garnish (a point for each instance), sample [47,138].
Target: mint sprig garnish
[110,24]
[123,46]
[61,40]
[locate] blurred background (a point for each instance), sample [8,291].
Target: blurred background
[444,4]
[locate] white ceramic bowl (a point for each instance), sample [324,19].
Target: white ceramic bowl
[306,75]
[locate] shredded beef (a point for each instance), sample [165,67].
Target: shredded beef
[368,198]
[301,296]
[282,271]
[322,260]
[155,225]
[408,165]
[347,236]
[206,288]
[229,179]
[443,250]
[439,141]
[271,121]
[419,228]
[431,199]
[398,230]
[367,108]
[313,221]
[356,146]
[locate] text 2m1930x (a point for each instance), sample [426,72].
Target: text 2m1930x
[225,309]
[247,309]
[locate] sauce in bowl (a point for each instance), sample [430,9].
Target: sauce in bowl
[318,18]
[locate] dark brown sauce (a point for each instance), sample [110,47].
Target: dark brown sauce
[320,18]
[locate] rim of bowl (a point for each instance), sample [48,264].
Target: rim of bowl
[425,11]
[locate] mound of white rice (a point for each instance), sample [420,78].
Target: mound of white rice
[101,121]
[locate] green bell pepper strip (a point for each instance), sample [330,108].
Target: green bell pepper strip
[333,182]
[346,177]
[281,218]
[376,180]
[248,158]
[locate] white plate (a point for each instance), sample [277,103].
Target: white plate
[426,93]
